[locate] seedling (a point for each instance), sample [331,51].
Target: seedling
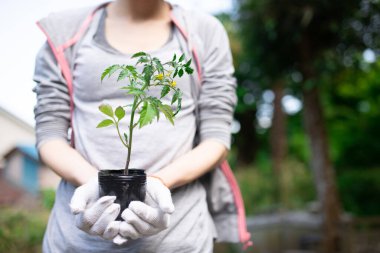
[153,74]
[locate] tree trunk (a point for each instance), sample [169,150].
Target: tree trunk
[246,141]
[278,141]
[324,174]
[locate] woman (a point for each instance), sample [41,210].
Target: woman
[68,67]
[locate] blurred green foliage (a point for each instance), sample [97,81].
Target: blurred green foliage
[48,197]
[256,183]
[21,231]
[266,37]
[360,191]
[353,113]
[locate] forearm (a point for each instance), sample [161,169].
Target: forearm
[66,162]
[193,164]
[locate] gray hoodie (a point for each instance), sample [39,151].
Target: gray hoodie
[213,94]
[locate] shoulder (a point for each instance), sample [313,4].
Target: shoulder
[67,16]
[204,20]
[63,24]
[202,23]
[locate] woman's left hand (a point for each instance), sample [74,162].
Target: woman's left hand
[148,218]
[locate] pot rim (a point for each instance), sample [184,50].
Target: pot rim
[134,174]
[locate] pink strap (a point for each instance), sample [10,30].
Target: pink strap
[192,49]
[244,235]
[66,72]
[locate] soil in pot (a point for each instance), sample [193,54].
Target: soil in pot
[126,188]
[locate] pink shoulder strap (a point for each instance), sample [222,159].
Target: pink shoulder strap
[192,48]
[58,51]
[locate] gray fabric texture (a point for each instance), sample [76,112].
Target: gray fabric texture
[53,118]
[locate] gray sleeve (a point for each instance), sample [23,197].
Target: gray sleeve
[52,111]
[218,93]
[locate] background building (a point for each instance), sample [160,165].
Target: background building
[22,175]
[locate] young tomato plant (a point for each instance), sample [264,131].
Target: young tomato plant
[154,73]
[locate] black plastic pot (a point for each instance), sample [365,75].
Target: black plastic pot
[126,188]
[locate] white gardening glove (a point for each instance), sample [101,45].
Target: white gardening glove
[95,215]
[148,218]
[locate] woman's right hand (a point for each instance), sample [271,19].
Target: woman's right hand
[94,215]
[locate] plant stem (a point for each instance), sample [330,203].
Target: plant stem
[118,132]
[134,107]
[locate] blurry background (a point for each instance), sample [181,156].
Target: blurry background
[305,137]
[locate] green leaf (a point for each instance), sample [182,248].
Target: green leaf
[138,54]
[120,112]
[167,111]
[132,69]
[142,60]
[187,63]
[133,90]
[157,111]
[126,138]
[106,109]
[148,72]
[189,70]
[136,92]
[147,114]
[180,72]
[159,66]
[179,105]
[105,123]
[109,71]
[181,58]
[171,64]
[165,90]
[123,74]
[155,103]
[174,57]
[175,96]
[175,72]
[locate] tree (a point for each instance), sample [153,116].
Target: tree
[283,38]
